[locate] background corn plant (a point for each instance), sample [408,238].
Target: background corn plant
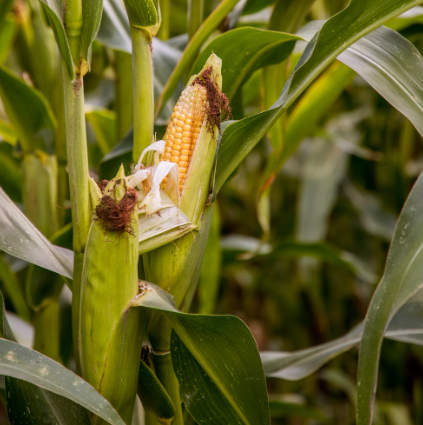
[318,163]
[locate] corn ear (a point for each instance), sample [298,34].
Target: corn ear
[175,267]
[110,334]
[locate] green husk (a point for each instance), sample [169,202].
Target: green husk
[110,334]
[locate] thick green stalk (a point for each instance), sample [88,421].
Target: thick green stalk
[77,157]
[166,375]
[76,143]
[124,96]
[191,51]
[142,70]
[195,16]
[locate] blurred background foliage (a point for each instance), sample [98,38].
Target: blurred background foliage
[308,277]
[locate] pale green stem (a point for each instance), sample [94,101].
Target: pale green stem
[142,71]
[191,51]
[164,31]
[166,375]
[195,16]
[76,146]
[124,97]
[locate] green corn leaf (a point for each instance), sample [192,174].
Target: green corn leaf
[54,11]
[314,105]
[400,86]
[28,111]
[20,238]
[48,390]
[153,396]
[400,281]
[264,48]
[215,386]
[357,20]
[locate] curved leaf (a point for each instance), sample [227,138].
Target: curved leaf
[401,280]
[29,365]
[354,22]
[28,111]
[264,48]
[20,238]
[37,373]
[406,326]
[216,387]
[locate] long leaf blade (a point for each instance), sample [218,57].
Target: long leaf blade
[354,22]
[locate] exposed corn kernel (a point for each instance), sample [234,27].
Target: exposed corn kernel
[184,129]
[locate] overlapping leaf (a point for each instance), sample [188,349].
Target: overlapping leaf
[215,386]
[354,22]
